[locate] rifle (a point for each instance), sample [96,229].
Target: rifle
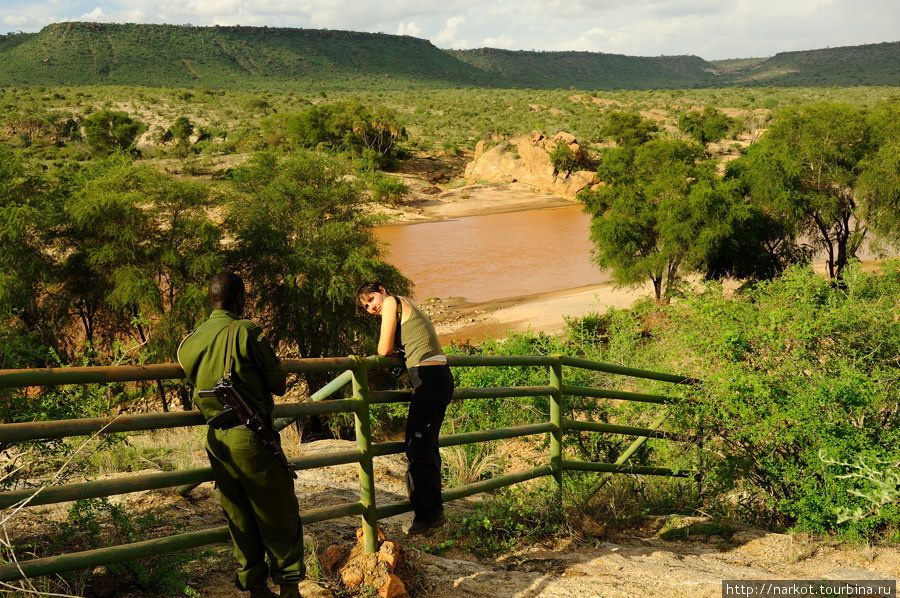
[238,408]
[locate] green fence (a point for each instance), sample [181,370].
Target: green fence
[350,371]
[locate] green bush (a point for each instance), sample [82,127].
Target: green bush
[389,190]
[514,516]
[792,369]
[95,523]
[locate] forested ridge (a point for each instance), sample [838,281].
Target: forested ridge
[236,57]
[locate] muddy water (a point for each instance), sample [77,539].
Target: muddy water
[495,256]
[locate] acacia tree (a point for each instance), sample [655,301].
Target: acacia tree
[339,126]
[138,250]
[628,129]
[109,131]
[806,170]
[879,183]
[304,244]
[27,224]
[706,126]
[656,214]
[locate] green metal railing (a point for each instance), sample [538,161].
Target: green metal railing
[352,371]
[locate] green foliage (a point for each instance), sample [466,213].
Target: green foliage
[793,368]
[805,170]
[137,243]
[26,224]
[301,234]
[880,481]
[628,129]
[96,523]
[708,125]
[563,158]
[657,215]
[389,190]
[340,126]
[182,128]
[512,517]
[108,131]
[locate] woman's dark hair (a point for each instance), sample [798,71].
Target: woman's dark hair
[367,288]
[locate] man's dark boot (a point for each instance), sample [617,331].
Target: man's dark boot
[262,593]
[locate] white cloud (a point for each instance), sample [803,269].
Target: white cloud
[95,15]
[410,28]
[449,34]
[498,42]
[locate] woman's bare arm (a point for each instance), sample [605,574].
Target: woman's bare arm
[388,325]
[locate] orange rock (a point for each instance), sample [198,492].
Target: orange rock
[390,553]
[352,577]
[392,588]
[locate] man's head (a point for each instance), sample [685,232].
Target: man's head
[226,291]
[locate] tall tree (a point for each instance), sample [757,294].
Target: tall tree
[27,225]
[138,250]
[304,243]
[628,128]
[806,169]
[652,217]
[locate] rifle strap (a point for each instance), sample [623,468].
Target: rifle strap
[229,350]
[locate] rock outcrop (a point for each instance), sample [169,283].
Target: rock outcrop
[527,160]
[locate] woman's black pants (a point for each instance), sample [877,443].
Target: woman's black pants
[432,389]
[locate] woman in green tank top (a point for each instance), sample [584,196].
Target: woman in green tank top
[432,388]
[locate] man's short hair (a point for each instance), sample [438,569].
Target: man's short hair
[226,288]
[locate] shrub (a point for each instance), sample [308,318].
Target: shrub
[389,190]
[792,369]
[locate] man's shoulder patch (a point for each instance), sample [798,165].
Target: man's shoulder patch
[261,337]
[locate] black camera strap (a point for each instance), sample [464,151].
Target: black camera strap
[397,333]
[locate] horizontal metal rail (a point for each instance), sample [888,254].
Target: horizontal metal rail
[63,428]
[391,509]
[612,467]
[352,370]
[570,424]
[603,393]
[587,364]
[393,448]
[149,548]
[151,481]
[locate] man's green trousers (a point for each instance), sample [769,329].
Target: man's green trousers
[257,495]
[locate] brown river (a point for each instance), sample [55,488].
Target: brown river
[495,256]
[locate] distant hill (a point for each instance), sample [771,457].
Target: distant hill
[589,70]
[281,59]
[872,64]
[232,57]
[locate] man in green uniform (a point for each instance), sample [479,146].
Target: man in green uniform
[255,489]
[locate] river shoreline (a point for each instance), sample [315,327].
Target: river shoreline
[461,321]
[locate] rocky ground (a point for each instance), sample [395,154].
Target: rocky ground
[652,559]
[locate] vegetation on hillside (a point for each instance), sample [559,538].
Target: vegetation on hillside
[284,59]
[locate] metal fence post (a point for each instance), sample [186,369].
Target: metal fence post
[556,449]
[364,444]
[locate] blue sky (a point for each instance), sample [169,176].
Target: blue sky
[711,29]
